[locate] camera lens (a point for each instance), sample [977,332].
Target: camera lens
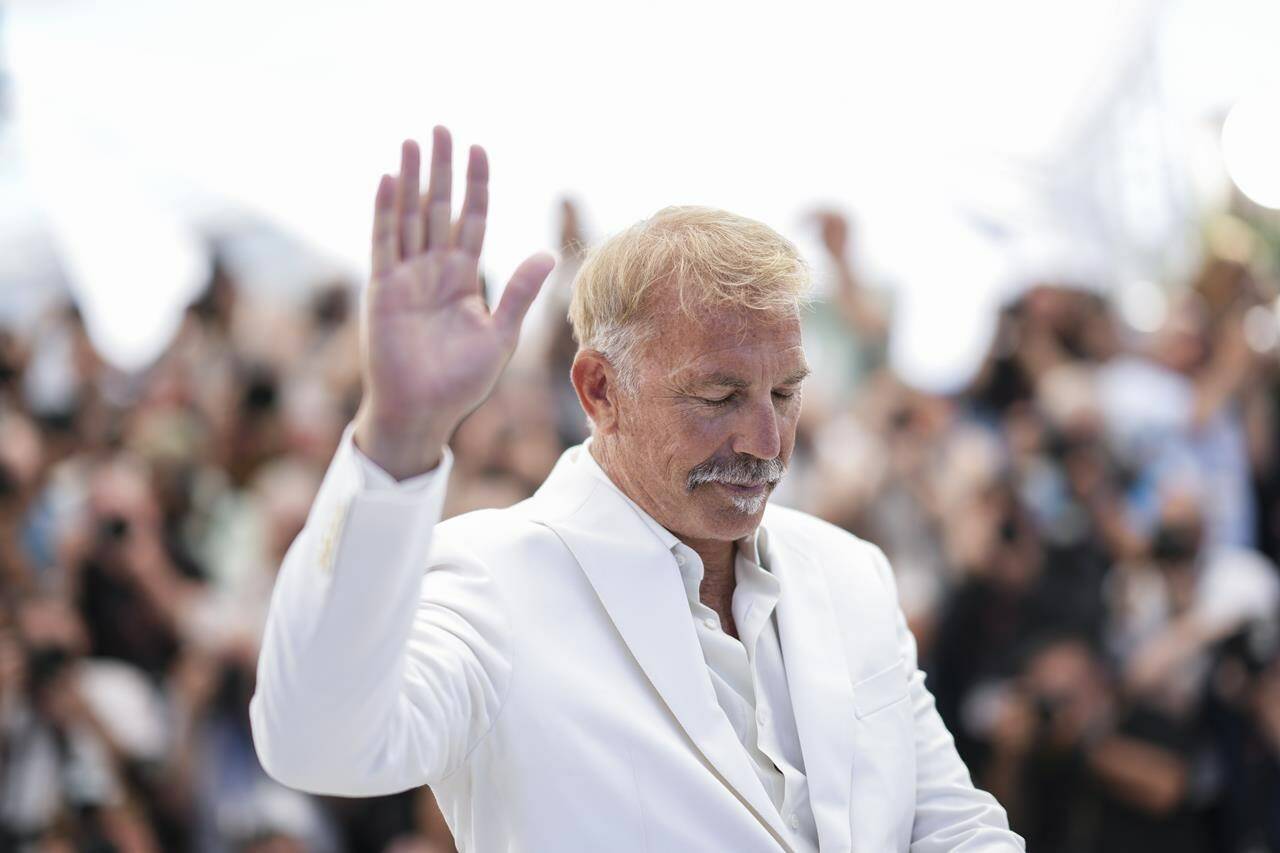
[113,528]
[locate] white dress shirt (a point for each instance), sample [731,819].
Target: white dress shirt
[748,673]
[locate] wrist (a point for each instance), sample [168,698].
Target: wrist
[402,450]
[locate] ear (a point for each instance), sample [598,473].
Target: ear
[596,383]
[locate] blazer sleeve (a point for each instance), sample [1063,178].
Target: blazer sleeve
[381,666]
[950,814]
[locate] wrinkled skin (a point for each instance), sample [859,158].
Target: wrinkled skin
[720,384]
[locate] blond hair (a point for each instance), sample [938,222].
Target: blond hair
[712,258]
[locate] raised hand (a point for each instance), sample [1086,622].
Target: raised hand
[835,232]
[431,351]
[571,242]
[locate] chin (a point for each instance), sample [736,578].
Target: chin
[735,517]
[750,506]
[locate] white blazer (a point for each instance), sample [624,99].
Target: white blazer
[537,667]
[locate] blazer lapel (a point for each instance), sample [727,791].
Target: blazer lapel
[639,584]
[821,691]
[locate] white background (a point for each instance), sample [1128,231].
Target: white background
[979,145]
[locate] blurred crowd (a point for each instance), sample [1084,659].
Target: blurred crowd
[1085,538]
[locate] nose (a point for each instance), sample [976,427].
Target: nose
[759,432]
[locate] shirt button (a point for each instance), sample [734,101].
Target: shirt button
[710,622]
[681,560]
[794,822]
[762,716]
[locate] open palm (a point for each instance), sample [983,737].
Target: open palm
[431,349]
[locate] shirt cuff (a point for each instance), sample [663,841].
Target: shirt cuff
[378,480]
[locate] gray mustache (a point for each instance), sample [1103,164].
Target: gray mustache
[741,470]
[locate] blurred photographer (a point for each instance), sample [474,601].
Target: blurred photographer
[63,775]
[1085,771]
[1189,598]
[132,594]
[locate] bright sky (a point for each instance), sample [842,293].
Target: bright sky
[134,114]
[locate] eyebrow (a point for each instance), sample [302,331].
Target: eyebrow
[796,376]
[728,380]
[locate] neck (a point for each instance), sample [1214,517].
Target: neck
[718,578]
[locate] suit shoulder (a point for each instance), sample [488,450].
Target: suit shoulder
[844,554]
[467,522]
[809,528]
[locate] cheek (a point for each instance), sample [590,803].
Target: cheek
[790,423]
[677,438]
[664,439]
[693,439]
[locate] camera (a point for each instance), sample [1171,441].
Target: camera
[113,529]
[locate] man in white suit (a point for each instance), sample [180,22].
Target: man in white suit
[642,656]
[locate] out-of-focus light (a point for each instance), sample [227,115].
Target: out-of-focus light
[1143,305]
[945,306]
[1250,140]
[1261,329]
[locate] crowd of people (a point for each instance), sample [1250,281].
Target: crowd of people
[1085,540]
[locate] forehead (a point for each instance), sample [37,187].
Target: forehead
[728,341]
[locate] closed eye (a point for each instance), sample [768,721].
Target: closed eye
[721,401]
